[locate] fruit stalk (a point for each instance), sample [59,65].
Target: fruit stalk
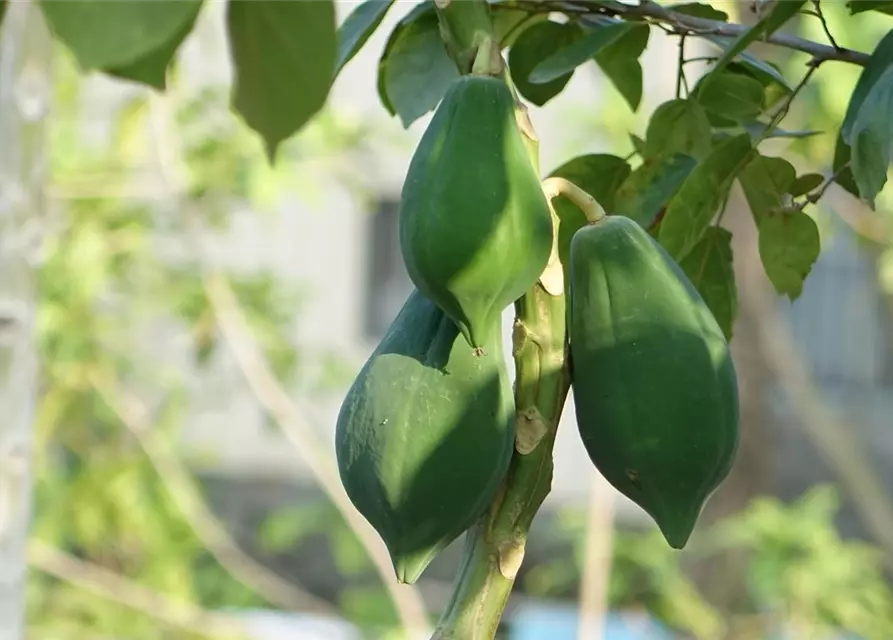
[464,26]
[495,546]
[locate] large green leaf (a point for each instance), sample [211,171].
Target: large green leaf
[761,69]
[699,10]
[780,14]
[693,207]
[881,59]
[509,23]
[843,174]
[872,138]
[152,69]
[647,189]
[284,57]
[859,6]
[789,246]
[678,126]
[582,50]
[766,181]
[358,27]
[734,96]
[806,183]
[415,69]
[620,63]
[104,34]
[534,44]
[597,174]
[709,266]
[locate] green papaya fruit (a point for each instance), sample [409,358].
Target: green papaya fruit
[475,228]
[654,385]
[425,434]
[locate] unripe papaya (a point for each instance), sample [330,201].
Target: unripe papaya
[475,228]
[654,385]
[425,434]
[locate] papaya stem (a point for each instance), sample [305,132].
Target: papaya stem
[495,546]
[554,187]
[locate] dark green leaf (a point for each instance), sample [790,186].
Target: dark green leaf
[781,13]
[773,90]
[806,183]
[709,267]
[537,43]
[580,51]
[872,138]
[761,69]
[647,189]
[508,23]
[843,173]
[789,246]
[597,174]
[678,126]
[859,6]
[152,69]
[620,63]
[357,29]
[881,60]
[698,10]
[2,10]
[692,208]
[733,96]
[415,69]
[284,59]
[104,34]
[766,181]
[638,144]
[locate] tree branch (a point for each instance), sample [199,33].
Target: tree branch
[692,25]
[188,498]
[109,585]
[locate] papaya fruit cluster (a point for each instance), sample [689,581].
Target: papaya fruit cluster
[426,432]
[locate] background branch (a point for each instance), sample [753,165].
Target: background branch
[685,24]
[596,577]
[187,496]
[109,585]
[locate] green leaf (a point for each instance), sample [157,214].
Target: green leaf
[537,43]
[415,69]
[756,129]
[692,208]
[619,61]
[152,69]
[844,176]
[638,144]
[647,189]
[789,246]
[872,138]
[284,59]
[699,10]
[859,6]
[104,34]
[709,267]
[580,51]
[780,14]
[731,95]
[597,174]
[881,59]
[678,126]
[507,23]
[806,183]
[773,90]
[357,29]
[766,180]
[2,10]
[761,69]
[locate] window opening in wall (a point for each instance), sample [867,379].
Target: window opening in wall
[387,285]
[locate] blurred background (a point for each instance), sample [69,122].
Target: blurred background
[201,315]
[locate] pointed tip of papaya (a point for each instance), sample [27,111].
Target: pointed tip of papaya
[410,566]
[677,530]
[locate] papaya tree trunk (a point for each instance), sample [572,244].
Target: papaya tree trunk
[25,50]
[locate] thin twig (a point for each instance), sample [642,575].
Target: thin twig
[305,439]
[407,600]
[821,16]
[596,577]
[113,587]
[185,493]
[692,25]
[680,68]
[833,440]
